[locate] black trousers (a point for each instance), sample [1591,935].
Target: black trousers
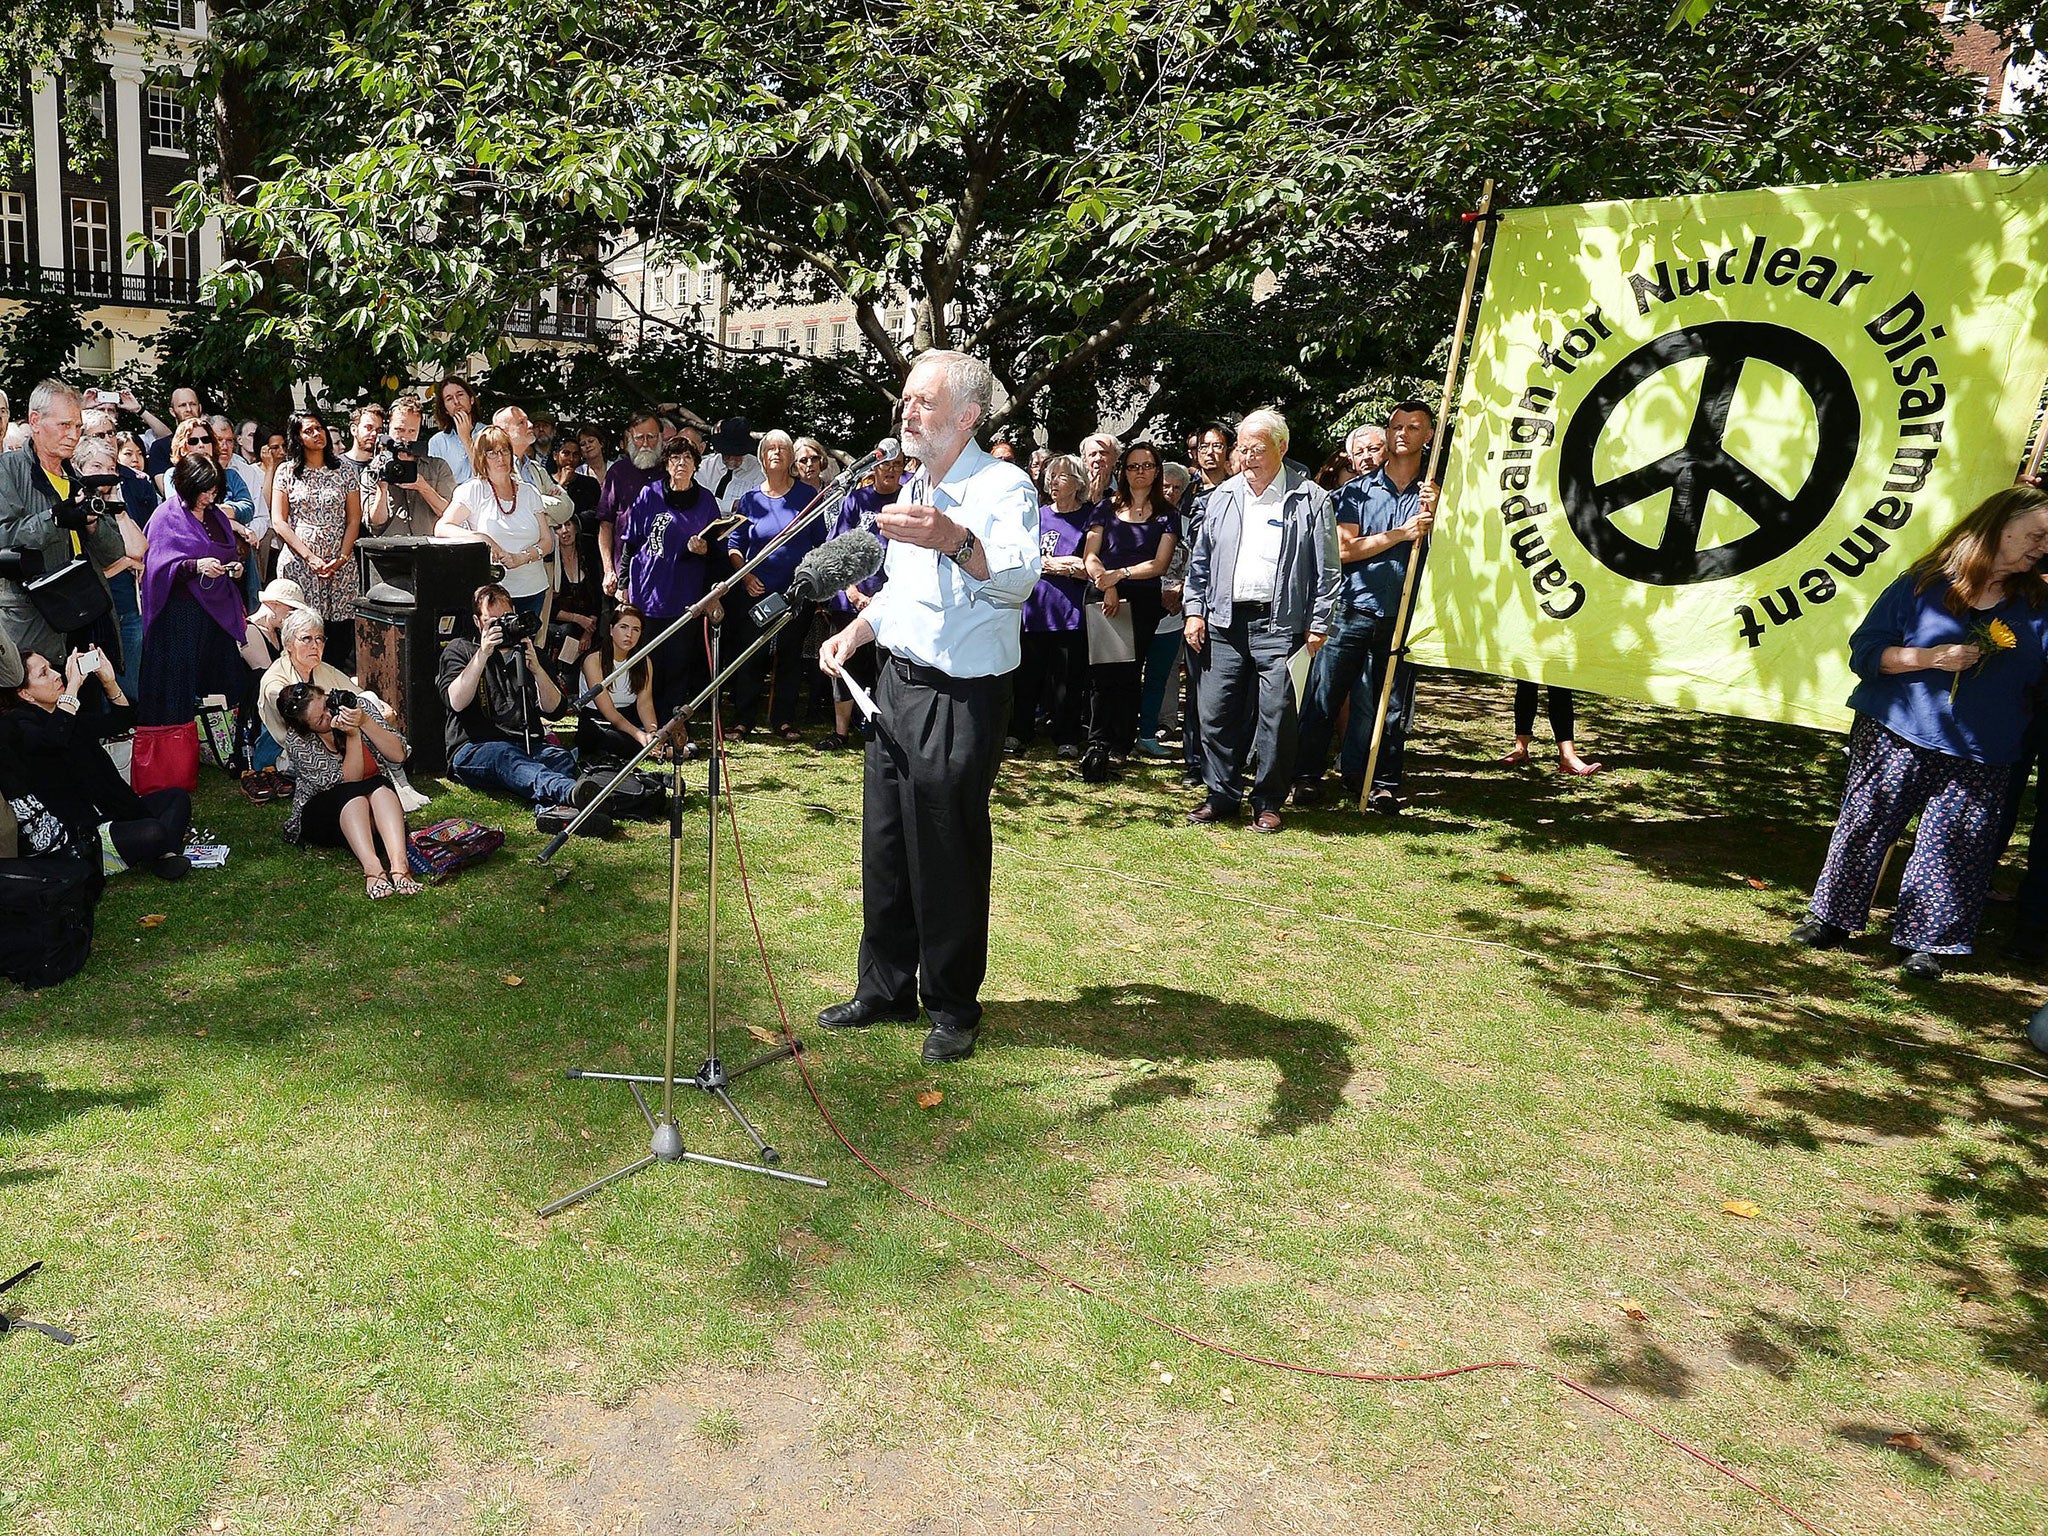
[682,667]
[926,848]
[159,831]
[1113,716]
[1053,678]
[1561,713]
[777,669]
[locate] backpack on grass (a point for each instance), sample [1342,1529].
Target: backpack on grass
[436,853]
[46,913]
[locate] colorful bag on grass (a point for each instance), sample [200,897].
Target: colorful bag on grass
[218,736]
[166,757]
[437,852]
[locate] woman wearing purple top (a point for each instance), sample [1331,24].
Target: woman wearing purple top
[1952,658]
[858,511]
[1128,551]
[192,619]
[777,668]
[665,564]
[1054,671]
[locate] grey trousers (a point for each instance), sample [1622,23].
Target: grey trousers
[1247,707]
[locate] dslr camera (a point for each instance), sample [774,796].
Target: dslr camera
[339,699]
[403,465]
[515,628]
[95,496]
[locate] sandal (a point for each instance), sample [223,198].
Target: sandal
[791,734]
[256,788]
[377,886]
[405,885]
[834,743]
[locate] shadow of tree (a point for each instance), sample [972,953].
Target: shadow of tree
[29,1105]
[1311,1056]
[1637,1362]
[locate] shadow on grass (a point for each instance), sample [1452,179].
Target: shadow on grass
[1856,1085]
[29,1105]
[1311,1056]
[1636,1362]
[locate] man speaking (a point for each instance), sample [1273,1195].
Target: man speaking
[963,556]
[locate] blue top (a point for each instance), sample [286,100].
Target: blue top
[766,516]
[1373,504]
[1127,544]
[1987,719]
[1054,606]
[858,511]
[932,611]
[448,447]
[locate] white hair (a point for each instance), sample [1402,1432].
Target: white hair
[96,421]
[1270,425]
[1101,437]
[91,448]
[299,623]
[1062,464]
[968,381]
[217,422]
[777,435]
[814,445]
[48,393]
[1176,474]
[1370,429]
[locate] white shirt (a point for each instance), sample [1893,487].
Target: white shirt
[931,611]
[748,476]
[1258,550]
[477,506]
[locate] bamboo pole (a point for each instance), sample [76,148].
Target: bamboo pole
[1482,229]
[2040,445]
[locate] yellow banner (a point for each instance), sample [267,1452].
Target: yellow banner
[1699,435]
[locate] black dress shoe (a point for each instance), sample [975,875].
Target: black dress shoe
[1922,966]
[1815,934]
[1310,791]
[858,1014]
[945,1043]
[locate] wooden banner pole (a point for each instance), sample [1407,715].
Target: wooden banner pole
[2033,468]
[1482,232]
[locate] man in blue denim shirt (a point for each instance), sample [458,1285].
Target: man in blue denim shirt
[1379,516]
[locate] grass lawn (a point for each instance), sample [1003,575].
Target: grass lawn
[281,1154]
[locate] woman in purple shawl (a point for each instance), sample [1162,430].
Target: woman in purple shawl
[192,619]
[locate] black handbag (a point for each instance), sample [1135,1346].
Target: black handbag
[72,598]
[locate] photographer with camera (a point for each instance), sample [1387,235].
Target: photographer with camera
[58,531]
[413,487]
[338,746]
[497,691]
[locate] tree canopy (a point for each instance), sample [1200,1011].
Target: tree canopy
[1086,193]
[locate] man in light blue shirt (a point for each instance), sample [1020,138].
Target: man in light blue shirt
[963,556]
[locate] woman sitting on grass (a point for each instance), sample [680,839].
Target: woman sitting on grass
[615,724]
[340,796]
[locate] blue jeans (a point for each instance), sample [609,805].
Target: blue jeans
[542,778]
[128,615]
[1159,660]
[1351,665]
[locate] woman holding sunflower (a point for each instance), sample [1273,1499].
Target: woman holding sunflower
[1952,658]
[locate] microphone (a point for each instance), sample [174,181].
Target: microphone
[886,451]
[832,567]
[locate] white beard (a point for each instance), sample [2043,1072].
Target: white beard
[645,458]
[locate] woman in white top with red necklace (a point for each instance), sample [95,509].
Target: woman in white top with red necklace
[504,511]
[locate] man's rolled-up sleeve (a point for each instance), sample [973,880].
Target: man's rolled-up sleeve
[1008,531]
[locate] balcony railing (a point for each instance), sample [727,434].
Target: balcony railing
[529,326]
[141,290]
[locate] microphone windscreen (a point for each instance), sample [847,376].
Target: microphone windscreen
[837,564]
[888,450]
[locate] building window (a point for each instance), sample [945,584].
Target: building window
[706,286]
[180,14]
[838,335]
[92,246]
[811,340]
[175,271]
[661,290]
[760,338]
[10,112]
[166,121]
[732,338]
[782,337]
[573,309]
[13,232]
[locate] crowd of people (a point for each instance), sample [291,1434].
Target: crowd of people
[1223,609]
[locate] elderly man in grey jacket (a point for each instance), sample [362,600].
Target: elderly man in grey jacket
[45,523]
[1262,582]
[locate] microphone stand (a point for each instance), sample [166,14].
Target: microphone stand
[712,1076]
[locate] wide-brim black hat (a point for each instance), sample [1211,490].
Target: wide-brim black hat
[733,436]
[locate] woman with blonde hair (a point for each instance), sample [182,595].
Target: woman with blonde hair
[1952,658]
[504,511]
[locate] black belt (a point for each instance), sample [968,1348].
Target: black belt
[1249,611]
[917,672]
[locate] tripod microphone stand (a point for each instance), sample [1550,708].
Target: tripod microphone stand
[712,1076]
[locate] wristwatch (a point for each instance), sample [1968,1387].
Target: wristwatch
[965,552]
